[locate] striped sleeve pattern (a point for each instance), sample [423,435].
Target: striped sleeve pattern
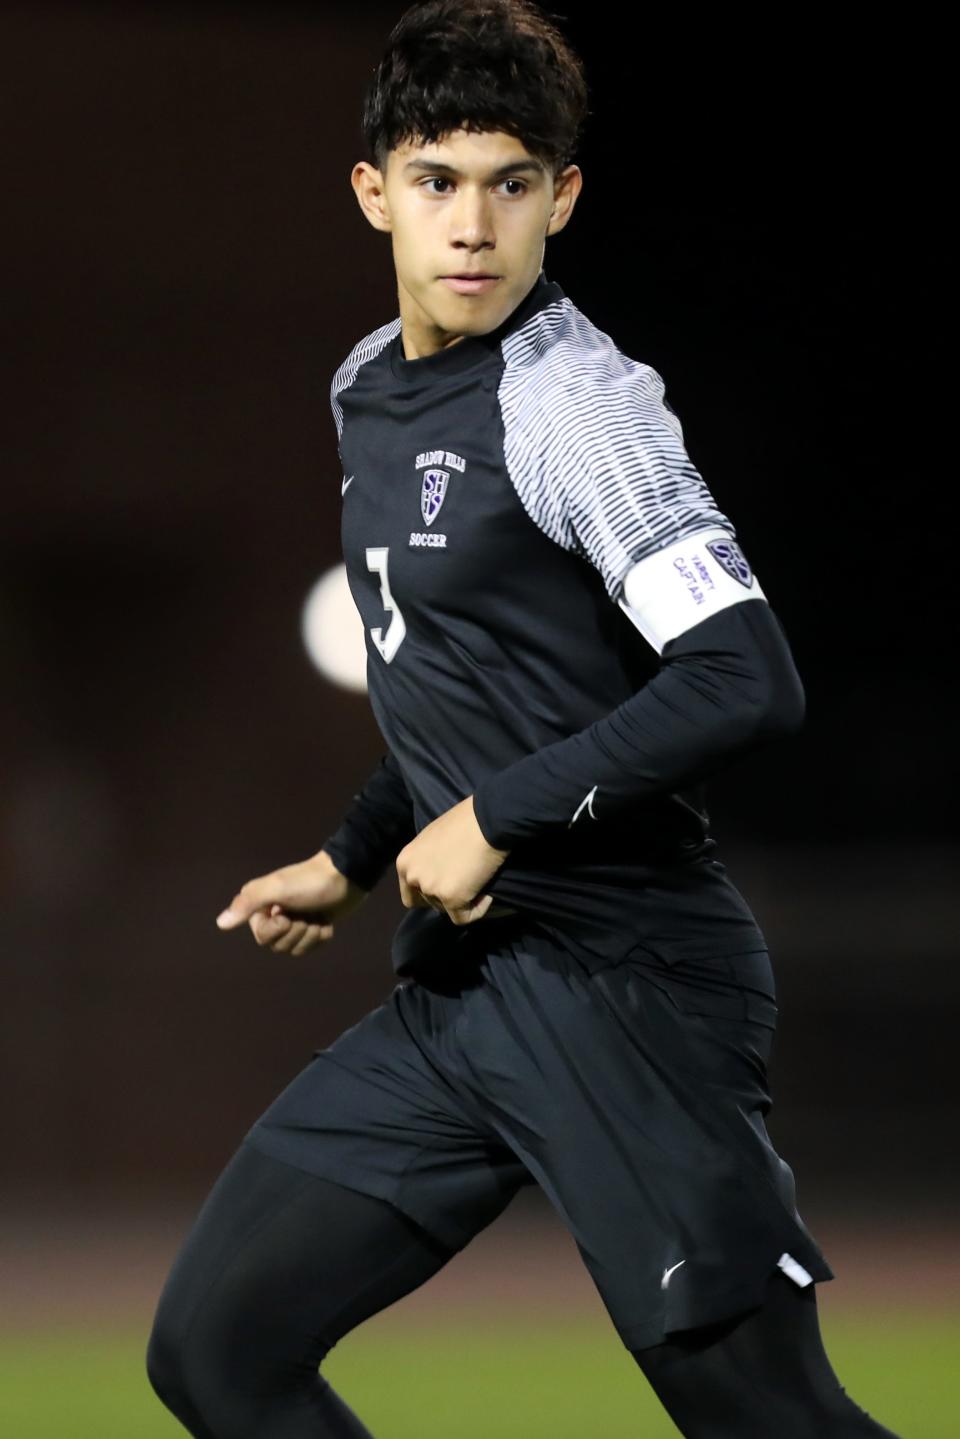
[366,349]
[593,450]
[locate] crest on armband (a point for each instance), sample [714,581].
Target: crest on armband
[729,554]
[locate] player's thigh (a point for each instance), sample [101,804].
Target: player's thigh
[356,1184]
[277,1266]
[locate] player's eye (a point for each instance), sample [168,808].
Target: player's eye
[442,180]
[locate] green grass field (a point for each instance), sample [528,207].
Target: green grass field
[536,1380]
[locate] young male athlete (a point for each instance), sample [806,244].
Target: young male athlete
[563,639]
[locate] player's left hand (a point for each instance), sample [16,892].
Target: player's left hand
[447,865]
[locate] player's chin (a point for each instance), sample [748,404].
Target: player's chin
[473,314]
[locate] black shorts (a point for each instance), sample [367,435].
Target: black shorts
[633,1093]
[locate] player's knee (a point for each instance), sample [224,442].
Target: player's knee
[164,1369]
[174,1364]
[188,1387]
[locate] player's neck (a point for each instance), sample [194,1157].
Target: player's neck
[420,335]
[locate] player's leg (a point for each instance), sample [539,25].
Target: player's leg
[356,1185]
[278,1266]
[642,1088]
[764,1372]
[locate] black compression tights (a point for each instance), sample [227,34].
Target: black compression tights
[280,1264]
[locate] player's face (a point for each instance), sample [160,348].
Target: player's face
[473,204]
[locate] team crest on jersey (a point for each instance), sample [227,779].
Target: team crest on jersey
[433,488]
[729,554]
[432,493]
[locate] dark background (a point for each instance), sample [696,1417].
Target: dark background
[184,266]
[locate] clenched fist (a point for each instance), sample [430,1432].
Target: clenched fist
[293,909]
[447,865]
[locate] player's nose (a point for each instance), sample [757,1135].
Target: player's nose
[472,221]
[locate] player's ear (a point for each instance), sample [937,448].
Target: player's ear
[371,195]
[566,187]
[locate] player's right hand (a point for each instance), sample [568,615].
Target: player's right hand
[293,909]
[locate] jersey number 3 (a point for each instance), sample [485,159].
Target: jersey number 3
[388,643]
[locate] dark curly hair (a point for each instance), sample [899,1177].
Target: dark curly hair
[476,65]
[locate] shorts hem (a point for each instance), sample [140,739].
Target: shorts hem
[450,1236]
[712,1308]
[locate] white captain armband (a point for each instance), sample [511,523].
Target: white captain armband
[674,589]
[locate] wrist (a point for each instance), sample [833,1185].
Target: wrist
[486,828]
[327,866]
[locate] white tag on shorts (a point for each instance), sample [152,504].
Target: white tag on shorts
[794,1271]
[674,589]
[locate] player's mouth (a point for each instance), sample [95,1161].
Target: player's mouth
[471,282]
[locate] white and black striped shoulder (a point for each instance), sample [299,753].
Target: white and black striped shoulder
[592,448]
[366,349]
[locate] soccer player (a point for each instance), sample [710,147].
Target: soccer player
[564,638]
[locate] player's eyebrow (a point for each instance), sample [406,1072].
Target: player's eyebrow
[435,167]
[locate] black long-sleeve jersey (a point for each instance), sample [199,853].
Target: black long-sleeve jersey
[558,621]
